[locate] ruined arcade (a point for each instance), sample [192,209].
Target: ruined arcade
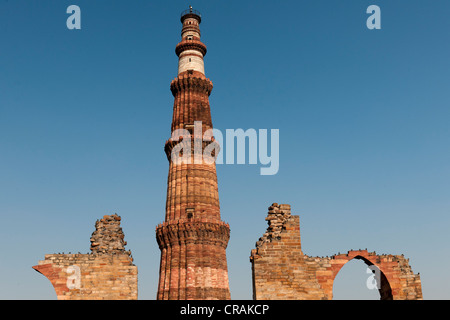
[281,271]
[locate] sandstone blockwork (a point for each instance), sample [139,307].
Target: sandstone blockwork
[281,271]
[107,273]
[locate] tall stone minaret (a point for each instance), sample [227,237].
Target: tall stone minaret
[192,239]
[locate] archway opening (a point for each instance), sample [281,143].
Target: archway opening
[359,279]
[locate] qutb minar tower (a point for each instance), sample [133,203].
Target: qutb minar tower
[192,239]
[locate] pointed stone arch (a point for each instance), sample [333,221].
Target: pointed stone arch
[398,282]
[385,288]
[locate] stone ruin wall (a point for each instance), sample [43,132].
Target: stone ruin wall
[107,273]
[280,270]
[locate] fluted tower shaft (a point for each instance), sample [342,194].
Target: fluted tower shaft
[192,239]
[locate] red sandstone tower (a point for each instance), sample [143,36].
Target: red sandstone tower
[192,239]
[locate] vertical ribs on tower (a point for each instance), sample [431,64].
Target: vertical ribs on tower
[192,239]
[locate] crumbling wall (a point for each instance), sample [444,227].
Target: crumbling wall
[107,273]
[108,236]
[281,271]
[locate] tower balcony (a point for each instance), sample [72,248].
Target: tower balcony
[191,13]
[193,44]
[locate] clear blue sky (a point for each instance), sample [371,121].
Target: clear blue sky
[364,120]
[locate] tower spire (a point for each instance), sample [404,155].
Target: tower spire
[192,239]
[190,50]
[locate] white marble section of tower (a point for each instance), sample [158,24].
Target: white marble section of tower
[190,50]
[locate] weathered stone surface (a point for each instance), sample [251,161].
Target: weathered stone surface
[281,271]
[108,236]
[107,273]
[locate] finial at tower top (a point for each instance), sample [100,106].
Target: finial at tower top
[191,13]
